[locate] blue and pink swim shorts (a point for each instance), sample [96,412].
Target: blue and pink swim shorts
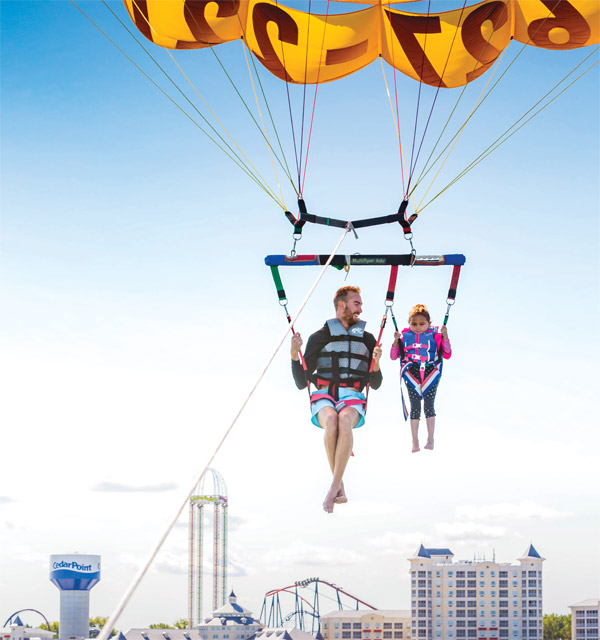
[345,394]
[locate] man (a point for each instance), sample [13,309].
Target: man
[338,358]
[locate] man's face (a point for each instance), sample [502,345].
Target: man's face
[351,309]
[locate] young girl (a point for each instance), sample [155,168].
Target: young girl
[421,349]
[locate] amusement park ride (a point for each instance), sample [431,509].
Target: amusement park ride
[305,597]
[217,499]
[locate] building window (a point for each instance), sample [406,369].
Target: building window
[346,634]
[387,625]
[387,634]
[346,625]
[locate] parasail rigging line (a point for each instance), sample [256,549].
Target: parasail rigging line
[395,117]
[283,164]
[427,168]
[454,140]
[262,90]
[230,154]
[190,83]
[303,100]
[289,101]
[412,153]
[112,620]
[396,114]
[312,118]
[506,135]
[414,165]
[264,128]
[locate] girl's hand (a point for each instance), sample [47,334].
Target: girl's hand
[444,332]
[396,339]
[296,345]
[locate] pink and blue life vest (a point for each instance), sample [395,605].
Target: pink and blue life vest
[420,349]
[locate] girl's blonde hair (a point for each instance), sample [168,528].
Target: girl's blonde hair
[419,310]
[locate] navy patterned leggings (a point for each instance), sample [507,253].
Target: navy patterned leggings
[428,399]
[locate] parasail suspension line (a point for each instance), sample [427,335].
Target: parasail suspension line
[195,90]
[288,172]
[112,620]
[478,103]
[264,128]
[456,137]
[506,135]
[414,165]
[230,154]
[218,59]
[412,153]
[312,118]
[396,119]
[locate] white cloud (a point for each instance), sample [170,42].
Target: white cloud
[507,510]
[364,508]
[6,500]
[301,553]
[469,531]
[119,487]
[393,543]
[176,563]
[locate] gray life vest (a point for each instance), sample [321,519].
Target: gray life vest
[345,360]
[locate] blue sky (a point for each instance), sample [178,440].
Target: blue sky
[137,313]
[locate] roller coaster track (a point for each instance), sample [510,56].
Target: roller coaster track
[304,610]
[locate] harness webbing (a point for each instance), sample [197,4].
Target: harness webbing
[389,302]
[452,291]
[283,301]
[303,217]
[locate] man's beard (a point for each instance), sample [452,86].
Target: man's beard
[349,318]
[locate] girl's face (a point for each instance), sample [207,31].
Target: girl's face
[418,323]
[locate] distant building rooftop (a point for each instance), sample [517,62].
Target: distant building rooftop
[360,613]
[586,603]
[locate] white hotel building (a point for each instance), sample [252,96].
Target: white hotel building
[584,620]
[475,599]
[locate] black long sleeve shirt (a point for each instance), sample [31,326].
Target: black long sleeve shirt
[315,344]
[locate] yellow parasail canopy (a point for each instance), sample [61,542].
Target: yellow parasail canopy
[448,49]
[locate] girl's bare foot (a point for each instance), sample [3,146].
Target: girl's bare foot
[429,445]
[341,497]
[416,447]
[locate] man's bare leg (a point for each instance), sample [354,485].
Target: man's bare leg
[328,419]
[430,430]
[414,429]
[347,420]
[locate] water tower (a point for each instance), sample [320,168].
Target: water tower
[74,575]
[211,491]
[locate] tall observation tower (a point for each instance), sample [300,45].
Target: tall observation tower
[74,575]
[210,492]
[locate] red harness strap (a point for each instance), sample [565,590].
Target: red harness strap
[389,303]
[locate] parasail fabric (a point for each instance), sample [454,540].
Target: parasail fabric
[448,49]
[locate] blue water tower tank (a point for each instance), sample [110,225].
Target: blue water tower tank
[74,575]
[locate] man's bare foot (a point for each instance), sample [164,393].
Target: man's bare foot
[329,501]
[429,445]
[416,447]
[341,497]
